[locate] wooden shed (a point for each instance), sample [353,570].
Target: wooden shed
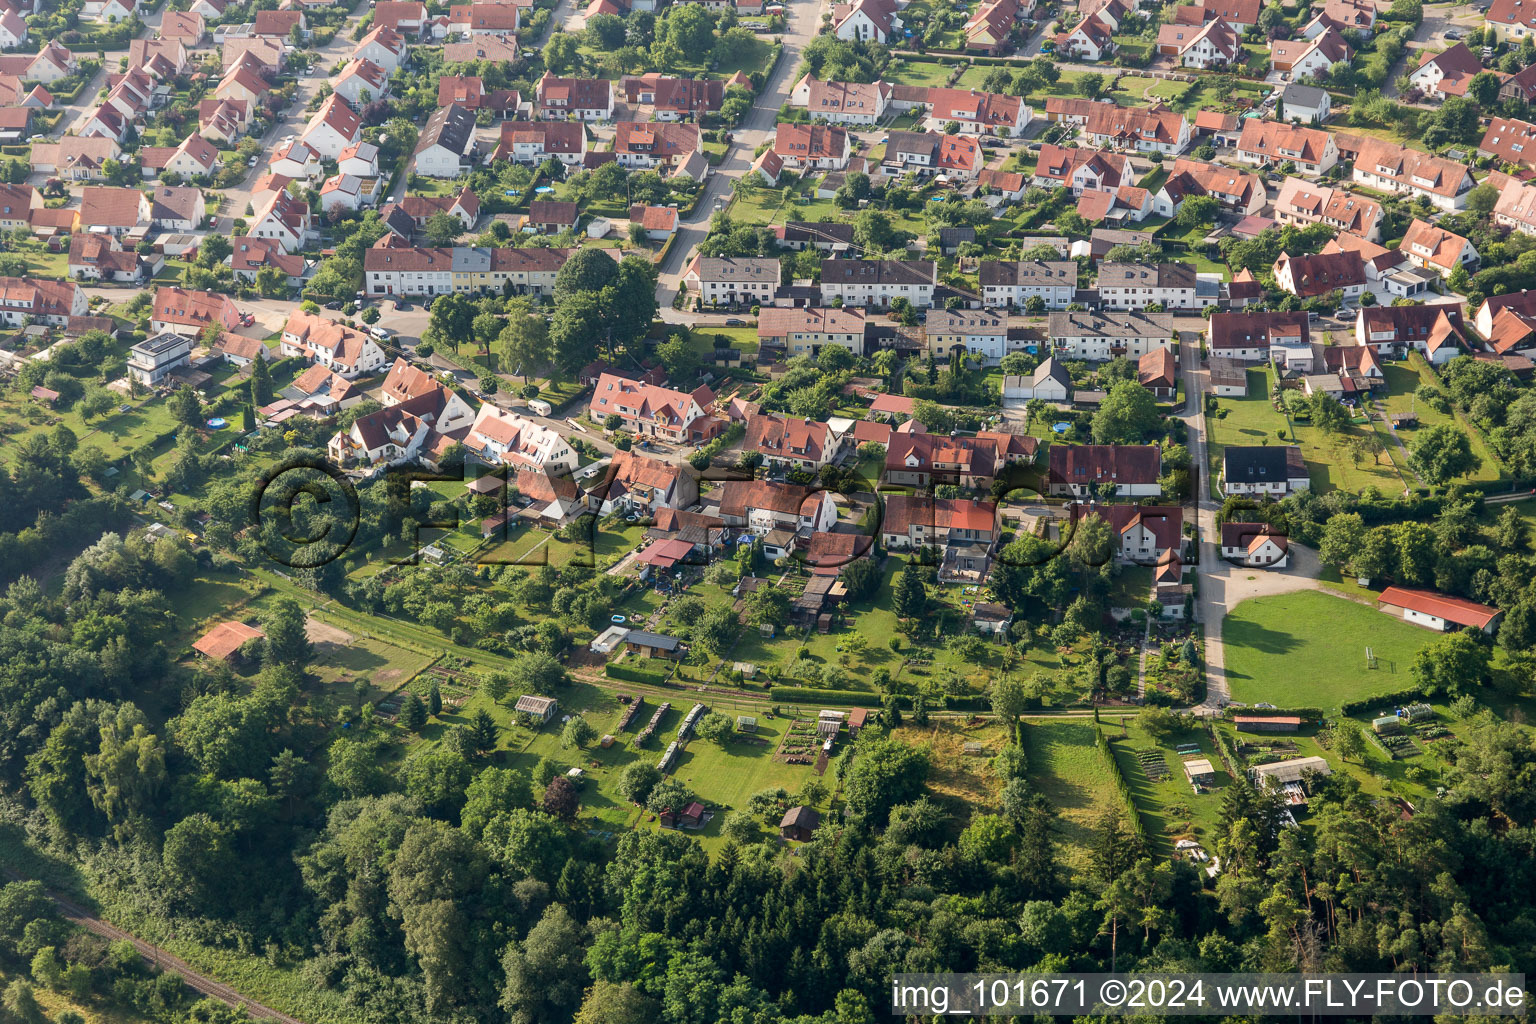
[799,823]
[540,708]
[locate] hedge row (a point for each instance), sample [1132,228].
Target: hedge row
[634,674]
[811,695]
[1396,698]
[1122,785]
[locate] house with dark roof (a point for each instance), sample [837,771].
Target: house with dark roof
[445,148]
[1263,470]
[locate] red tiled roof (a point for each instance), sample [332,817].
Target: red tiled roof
[1428,602]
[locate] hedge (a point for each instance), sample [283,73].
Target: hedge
[1122,785]
[634,674]
[1397,697]
[810,695]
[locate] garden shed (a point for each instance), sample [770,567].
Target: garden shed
[799,823]
[541,708]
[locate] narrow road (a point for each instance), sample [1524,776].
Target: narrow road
[160,958]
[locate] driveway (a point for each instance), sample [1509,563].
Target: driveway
[1222,586]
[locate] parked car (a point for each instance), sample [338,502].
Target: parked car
[1451,33]
[334,305]
[735,322]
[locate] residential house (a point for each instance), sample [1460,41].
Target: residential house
[982,332]
[1342,16]
[1304,104]
[807,330]
[1250,336]
[551,218]
[675,99]
[343,350]
[1240,192]
[734,280]
[873,21]
[1311,150]
[1104,470]
[979,113]
[1009,283]
[1091,39]
[792,442]
[658,222]
[639,483]
[283,218]
[113,211]
[280,24]
[586,99]
[1309,58]
[184,27]
[1510,141]
[253,255]
[654,411]
[763,506]
[1049,383]
[269,56]
[333,128]
[361,82]
[445,148]
[101,257]
[1101,337]
[1008,184]
[1139,285]
[912,522]
[1213,44]
[1435,331]
[878,282]
[655,144]
[1447,73]
[399,433]
[1143,534]
[1515,208]
[1081,169]
[862,103]
[464,207]
[176,208]
[813,146]
[927,460]
[154,359]
[1158,372]
[469,92]
[1382,165]
[1150,130]
[505,438]
[407,17]
[17,203]
[1305,202]
[1254,545]
[1263,470]
[1509,19]
[1437,249]
[1319,274]
[183,311]
[532,142]
[384,47]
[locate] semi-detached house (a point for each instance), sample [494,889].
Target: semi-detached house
[1445,183]
[1311,150]
[806,331]
[1013,283]
[734,279]
[33,300]
[1139,285]
[980,332]
[654,411]
[341,349]
[1104,336]
[1248,337]
[877,282]
[763,506]
[1098,470]
[792,441]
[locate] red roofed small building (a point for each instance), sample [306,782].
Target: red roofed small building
[1438,611]
[223,642]
[182,311]
[812,146]
[658,222]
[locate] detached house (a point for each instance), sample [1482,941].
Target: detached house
[1153,130]
[1263,470]
[792,442]
[1210,45]
[816,146]
[1311,150]
[1248,337]
[1381,165]
[762,507]
[1311,276]
[654,411]
[867,20]
[341,349]
[1143,534]
[1447,73]
[842,102]
[1254,545]
[284,219]
[1437,249]
[1436,331]
[182,311]
[927,460]
[1081,169]
[531,142]
[361,82]
[333,128]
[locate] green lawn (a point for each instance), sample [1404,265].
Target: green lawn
[1169,807]
[1402,379]
[917,72]
[1065,767]
[1308,650]
[1330,460]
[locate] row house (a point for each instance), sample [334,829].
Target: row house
[1105,470]
[411,271]
[1009,283]
[1304,202]
[1311,150]
[1381,165]
[807,330]
[980,332]
[764,506]
[1139,285]
[734,280]
[878,282]
[1101,337]
[912,522]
